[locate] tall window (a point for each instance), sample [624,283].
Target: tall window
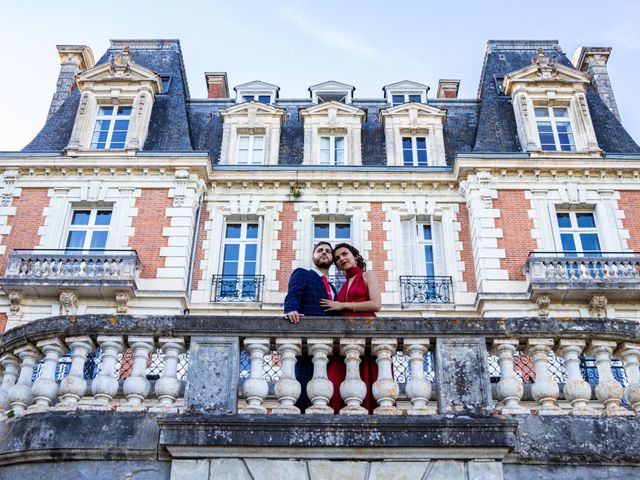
[554,129]
[334,233]
[405,98]
[89,229]
[332,151]
[239,263]
[414,151]
[111,127]
[250,149]
[422,248]
[578,232]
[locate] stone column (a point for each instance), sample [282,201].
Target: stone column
[385,390]
[255,388]
[545,390]
[136,387]
[320,388]
[417,388]
[45,388]
[352,389]
[630,354]
[608,390]
[509,389]
[105,386]
[168,386]
[576,391]
[20,394]
[10,365]
[74,386]
[288,388]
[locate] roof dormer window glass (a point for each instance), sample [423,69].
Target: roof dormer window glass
[250,149]
[332,151]
[266,99]
[405,98]
[554,129]
[414,151]
[110,131]
[332,97]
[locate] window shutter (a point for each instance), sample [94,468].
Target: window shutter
[438,248]
[409,253]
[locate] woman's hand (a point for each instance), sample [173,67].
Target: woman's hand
[331,305]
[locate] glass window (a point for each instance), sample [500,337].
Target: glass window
[250,149]
[264,99]
[88,229]
[578,232]
[166,83]
[240,251]
[332,151]
[399,99]
[110,130]
[414,151]
[554,129]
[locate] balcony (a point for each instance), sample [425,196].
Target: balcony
[577,276]
[417,290]
[237,288]
[43,273]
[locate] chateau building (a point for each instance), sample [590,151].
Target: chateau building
[141,224]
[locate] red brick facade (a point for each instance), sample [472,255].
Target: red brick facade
[516,230]
[287,236]
[151,219]
[26,222]
[469,275]
[202,237]
[3,322]
[630,202]
[377,236]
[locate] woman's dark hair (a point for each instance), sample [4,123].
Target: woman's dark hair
[354,251]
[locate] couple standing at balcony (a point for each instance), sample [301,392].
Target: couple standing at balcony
[310,294]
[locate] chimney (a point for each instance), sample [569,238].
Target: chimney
[73,60]
[593,60]
[448,88]
[217,86]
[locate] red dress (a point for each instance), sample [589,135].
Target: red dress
[355,292]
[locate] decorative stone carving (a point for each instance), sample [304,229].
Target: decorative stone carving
[598,306]
[15,297]
[122,60]
[9,178]
[68,302]
[543,302]
[546,66]
[320,388]
[181,179]
[122,301]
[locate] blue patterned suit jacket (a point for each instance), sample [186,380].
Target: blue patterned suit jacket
[305,292]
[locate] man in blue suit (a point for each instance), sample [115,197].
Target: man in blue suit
[306,289]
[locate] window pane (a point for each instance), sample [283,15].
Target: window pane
[421,143]
[568,243]
[243,141]
[230,268]
[233,230]
[249,270]
[407,156]
[585,220]
[166,81]
[258,141]
[231,252]
[243,156]
[541,112]
[118,137]
[121,125]
[560,112]
[321,230]
[252,230]
[102,125]
[343,230]
[81,217]
[422,157]
[325,142]
[76,239]
[426,232]
[264,98]
[103,217]
[116,145]
[406,143]
[99,239]
[415,98]
[251,252]
[590,242]
[122,111]
[105,111]
[247,98]
[339,157]
[397,99]
[428,256]
[339,142]
[564,220]
[544,127]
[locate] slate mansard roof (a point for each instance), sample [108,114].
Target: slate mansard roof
[482,125]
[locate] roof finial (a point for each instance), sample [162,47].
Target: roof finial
[124,58]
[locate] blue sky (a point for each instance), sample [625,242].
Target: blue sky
[297,44]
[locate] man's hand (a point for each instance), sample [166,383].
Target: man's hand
[330,306]
[293,317]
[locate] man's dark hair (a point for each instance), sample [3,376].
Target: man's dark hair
[322,242]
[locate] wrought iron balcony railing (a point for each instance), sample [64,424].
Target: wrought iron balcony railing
[237,288]
[421,290]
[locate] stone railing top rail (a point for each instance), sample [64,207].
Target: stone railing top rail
[584,256]
[398,327]
[64,253]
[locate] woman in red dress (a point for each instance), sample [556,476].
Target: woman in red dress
[358,297]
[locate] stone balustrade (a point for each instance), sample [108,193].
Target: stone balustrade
[222,365]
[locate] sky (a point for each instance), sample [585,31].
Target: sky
[367,44]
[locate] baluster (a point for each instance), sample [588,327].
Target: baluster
[566,271]
[509,388]
[320,388]
[20,394]
[606,271]
[10,365]
[615,271]
[576,391]
[288,388]
[24,266]
[584,272]
[114,267]
[352,389]
[545,390]
[417,388]
[255,388]
[385,389]
[105,386]
[168,386]
[609,391]
[45,388]
[46,267]
[74,386]
[36,268]
[630,354]
[136,387]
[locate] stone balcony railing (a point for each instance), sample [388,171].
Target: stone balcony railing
[43,272]
[571,276]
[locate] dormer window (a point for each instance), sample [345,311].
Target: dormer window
[266,99]
[554,129]
[405,92]
[166,83]
[414,151]
[332,150]
[331,91]
[405,98]
[112,124]
[257,91]
[250,149]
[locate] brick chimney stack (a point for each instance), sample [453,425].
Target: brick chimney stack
[217,86]
[73,60]
[593,60]
[448,88]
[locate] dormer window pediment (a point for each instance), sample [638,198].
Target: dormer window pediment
[404,92]
[258,91]
[332,91]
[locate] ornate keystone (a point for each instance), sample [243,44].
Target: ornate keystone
[68,302]
[543,302]
[15,297]
[122,301]
[598,306]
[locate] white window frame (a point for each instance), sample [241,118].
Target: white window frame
[243,241]
[332,150]
[252,158]
[405,96]
[554,121]
[414,149]
[89,228]
[112,122]
[255,97]
[575,230]
[414,259]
